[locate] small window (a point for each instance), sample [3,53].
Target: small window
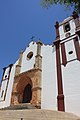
[2,93]
[34,65]
[66,27]
[5,76]
[30,55]
[70,52]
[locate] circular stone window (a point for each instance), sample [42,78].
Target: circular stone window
[29,55]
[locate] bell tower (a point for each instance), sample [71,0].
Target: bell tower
[67,54]
[69,31]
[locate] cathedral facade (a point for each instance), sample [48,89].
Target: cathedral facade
[47,76]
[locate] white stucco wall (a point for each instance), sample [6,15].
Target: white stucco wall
[71,85]
[69,46]
[49,81]
[72,26]
[29,64]
[71,80]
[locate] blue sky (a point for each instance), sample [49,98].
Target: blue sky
[22,19]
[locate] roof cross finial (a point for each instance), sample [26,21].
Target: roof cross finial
[32,38]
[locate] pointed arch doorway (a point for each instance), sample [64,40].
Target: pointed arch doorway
[27,94]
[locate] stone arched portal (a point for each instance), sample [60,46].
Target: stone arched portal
[21,83]
[20,88]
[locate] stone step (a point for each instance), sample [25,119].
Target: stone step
[20,107]
[36,114]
